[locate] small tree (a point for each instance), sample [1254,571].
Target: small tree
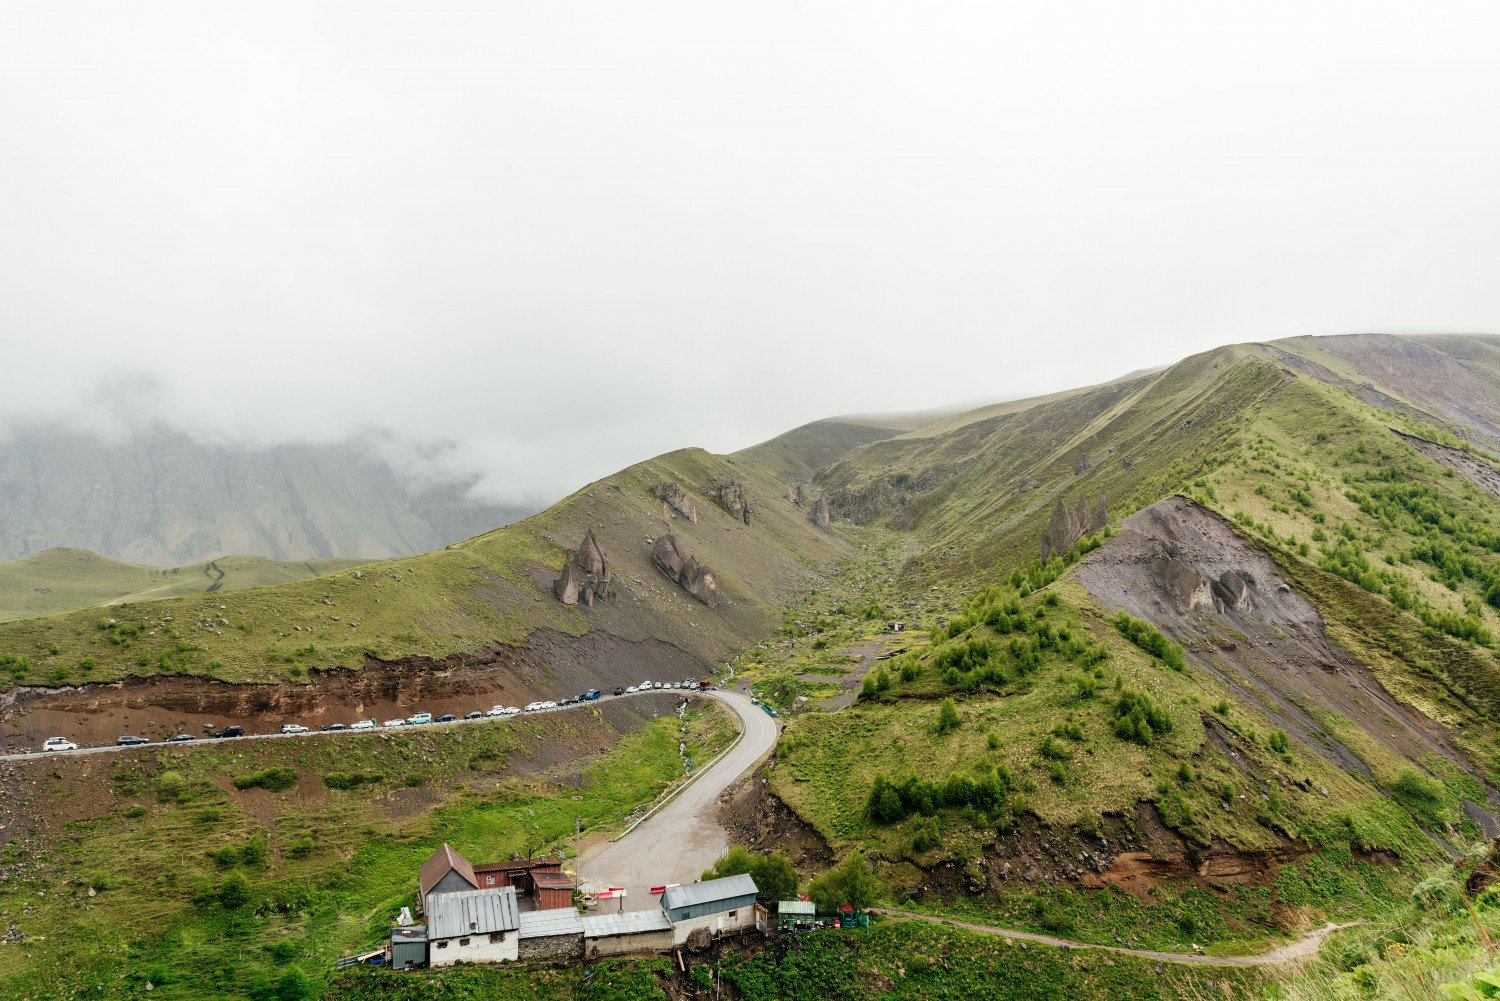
[851,883]
[775,879]
[948,718]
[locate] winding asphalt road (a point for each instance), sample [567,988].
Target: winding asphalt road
[680,840]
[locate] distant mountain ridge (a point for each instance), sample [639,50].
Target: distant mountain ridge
[164,498]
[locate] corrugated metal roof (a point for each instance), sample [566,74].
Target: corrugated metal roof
[471,912]
[629,923]
[710,891]
[439,864]
[409,933]
[796,907]
[557,921]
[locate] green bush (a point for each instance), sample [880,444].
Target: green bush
[948,718]
[1139,719]
[1150,639]
[775,879]
[851,883]
[351,780]
[272,779]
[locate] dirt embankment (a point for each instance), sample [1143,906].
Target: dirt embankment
[1190,573]
[1475,470]
[554,665]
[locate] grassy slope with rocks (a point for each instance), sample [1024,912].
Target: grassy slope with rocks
[217,871]
[492,589]
[66,580]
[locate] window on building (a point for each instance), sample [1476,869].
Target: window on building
[442,945]
[463,941]
[734,913]
[497,936]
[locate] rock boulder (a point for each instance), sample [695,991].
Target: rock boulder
[677,499]
[685,571]
[732,497]
[585,576]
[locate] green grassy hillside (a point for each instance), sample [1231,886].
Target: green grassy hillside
[65,580]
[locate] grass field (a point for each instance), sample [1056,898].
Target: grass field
[65,580]
[156,867]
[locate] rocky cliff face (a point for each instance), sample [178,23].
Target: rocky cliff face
[676,499]
[164,499]
[732,497]
[820,515]
[1068,526]
[585,577]
[684,571]
[795,494]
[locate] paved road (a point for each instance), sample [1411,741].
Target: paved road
[1303,948]
[682,839]
[107,748]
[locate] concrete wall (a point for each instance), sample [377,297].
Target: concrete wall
[727,922]
[444,952]
[618,945]
[558,947]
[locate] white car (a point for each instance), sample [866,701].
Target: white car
[549,705]
[496,711]
[511,711]
[390,723]
[658,684]
[364,724]
[644,686]
[631,690]
[59,744]
[532,707]
[419,719]
[293,728]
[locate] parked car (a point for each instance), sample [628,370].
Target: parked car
[476,714]
[532,707]
[512,711]
[59,744]
[644,686]
[632,690]
[393,723]
[549,705]
[446,718]
[230,731]
[129,741]
[293,728]
[592,694]
[181,738]
[419,719]
[364,724]
[619,690]
[500,710]
[332,727]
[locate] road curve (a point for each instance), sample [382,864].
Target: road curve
[1303,948]
[681,839]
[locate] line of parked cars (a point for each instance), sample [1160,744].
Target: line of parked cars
[417,719]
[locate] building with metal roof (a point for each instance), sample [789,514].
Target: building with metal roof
[475,926]
[721,906]
[555,934]
[632,931]
[445,871]
[694,900]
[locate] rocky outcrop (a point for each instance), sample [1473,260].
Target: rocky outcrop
[677,499]
[795,494]
[585,577]
[1068,526]
[685,571]
[820,516]
[732,497]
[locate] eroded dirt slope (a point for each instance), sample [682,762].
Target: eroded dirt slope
[1186,570]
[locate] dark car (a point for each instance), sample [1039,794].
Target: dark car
[476,714]
[446,718]
[230,731]
[180,738]
[128,741]
[333,726]
[619,689]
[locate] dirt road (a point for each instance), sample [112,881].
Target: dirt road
[681,839]
[1303,948]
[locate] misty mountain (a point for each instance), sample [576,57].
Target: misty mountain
[164,498]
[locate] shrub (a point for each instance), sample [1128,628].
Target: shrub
[1278,742]
[1054,750]
[775,879]
[1150,639]
[272,779]
[1139,719]
[1426,798]
[851,883]
[948,718]
[350,780]
[171,787]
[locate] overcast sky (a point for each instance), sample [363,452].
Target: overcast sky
[568,236]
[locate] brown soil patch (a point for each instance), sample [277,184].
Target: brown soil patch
[754,817]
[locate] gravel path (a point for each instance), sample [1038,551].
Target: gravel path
[1303,948]
[682,838]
